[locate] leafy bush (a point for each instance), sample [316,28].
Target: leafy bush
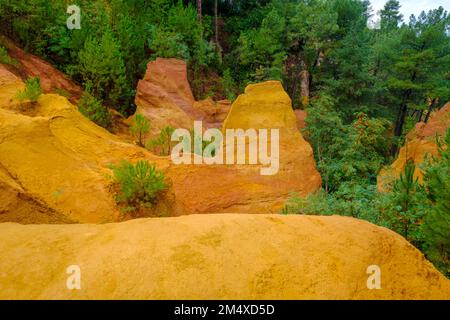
[352,153]
[139,184]
[229,86]
[91,108]
[139,128]
[350,200]
[32,90]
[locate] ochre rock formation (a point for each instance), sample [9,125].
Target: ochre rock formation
[301,116]
[420,142]
[54,158]
[214,112]
[10,84]
[242,188]
[164,96]
[54,163]
[225,256]
[31,66]
[437,124]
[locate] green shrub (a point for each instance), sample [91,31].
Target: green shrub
[101,68]
[139,184]
[435,229]
[139,128]
[350,200]
[408,199]
[229,86]
[31,92]
[5,58]
[92,109]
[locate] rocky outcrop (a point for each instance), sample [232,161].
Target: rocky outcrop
[215,257]
[242,188]
[420,143]
[52,80]
[10,84]
[301,116]
[214,112]
[164,96]
[54,163]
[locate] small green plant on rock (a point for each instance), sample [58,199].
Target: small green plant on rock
[31,92]
[139,128]
[93,109]
[139,184]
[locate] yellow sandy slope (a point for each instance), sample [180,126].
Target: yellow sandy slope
[420,144]
[215,256]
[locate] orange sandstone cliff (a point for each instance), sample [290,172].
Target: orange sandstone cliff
[420,142]
[54,159]
[54,169]
[164,97]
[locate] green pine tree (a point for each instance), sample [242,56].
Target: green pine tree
[390,15]
[408,199]
[436,228]
[102,69]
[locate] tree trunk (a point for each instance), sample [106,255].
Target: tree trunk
[304,83]
[199,10]
[399,126]
[419,116]
[430,108]
[402,116]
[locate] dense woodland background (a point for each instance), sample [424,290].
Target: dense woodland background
[363,88]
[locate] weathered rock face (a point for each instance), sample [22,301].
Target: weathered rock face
[54,162]
[164,96]
[420,142]
[242,188]
[215,257]
[9,85]
[301,116]
[32,66]
[214,112]
[437,124]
